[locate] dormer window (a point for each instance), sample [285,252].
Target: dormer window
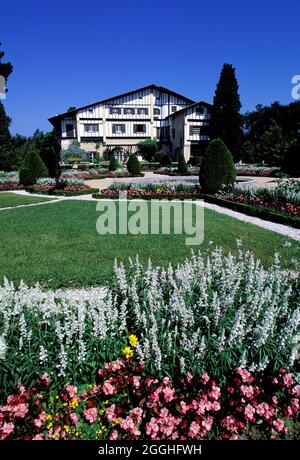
[200,110]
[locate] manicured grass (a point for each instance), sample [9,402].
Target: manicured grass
[58,244]
[8,200]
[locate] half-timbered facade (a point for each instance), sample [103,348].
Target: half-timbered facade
[123,121]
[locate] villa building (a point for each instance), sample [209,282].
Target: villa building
[177,122]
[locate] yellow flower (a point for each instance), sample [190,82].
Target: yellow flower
[65,404]
[133,340]
[49,417]
[66,427]
[128,352]
[74,404]
[77,433]
[49,425]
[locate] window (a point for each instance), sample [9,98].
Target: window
[156,111]
[139,128]
[91,128]
[69,130]
[118,128]
[114,110]
[199,110]
[90,110]
[195,130]
[142,111]
[174,108]
[129,111]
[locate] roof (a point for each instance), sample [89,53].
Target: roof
[188,107]
[159,88]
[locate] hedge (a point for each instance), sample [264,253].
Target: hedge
[75,193]
[248,209]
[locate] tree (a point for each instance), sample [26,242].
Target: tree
[133,165]
[217,167]
[163,159]
[5,138]
[73,153]
[291,161]
[113,164]
[50,153]
[248,152]
[272,146]
[6,68]
[32,168]
[148,148]
[182,165]
[226,120]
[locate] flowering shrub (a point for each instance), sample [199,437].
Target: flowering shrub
[212,313]
[171,171]
[125,403]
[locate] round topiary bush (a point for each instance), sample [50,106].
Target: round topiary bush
[217,168]
[182,165]
[113,164]
[163,159]
[133,165]
[291,161]
[32,168]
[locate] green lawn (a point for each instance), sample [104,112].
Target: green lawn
[58,244]
[9,200]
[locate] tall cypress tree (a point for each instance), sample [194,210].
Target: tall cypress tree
[5,137]
[226,120]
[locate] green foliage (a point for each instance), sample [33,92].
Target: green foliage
[182,165]
[113,164]
[248,152]
[6,68]
[272,146]
[133,165]
[148,148]
[32,168]
[73,153]
[226,120]
[163,159]
[49,150]
[291,161]
[217,168]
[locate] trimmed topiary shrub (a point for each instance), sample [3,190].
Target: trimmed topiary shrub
[32,168]
[291,161]
[163,159]
[182,165]
[217,168]
[113,164]
[133,165]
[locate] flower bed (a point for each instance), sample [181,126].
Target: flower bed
[124,403]
[262,171]
[10,181]
[169,171]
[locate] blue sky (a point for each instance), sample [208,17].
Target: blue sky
[74,53]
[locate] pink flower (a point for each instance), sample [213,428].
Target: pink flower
[246,376]
[114,435]
[20,410]
[279,425]
[296,390]
[91,414]
[108,388]
[137,381]
[247,391]
[71,390]
[42,418]
[110,413]
[205,378]
[74,417]
[249,413]
[37,437]
[207,423]
[45,378]
[6,430]
[194,429]
[288,380]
